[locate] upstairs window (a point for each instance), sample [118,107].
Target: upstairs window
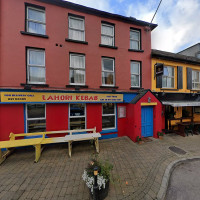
[168,77]
[35,20]
[36,118]
[135,40]
[36,66]
[107,34]
[76,28]
[108,72]
[77,69]
[135,74]
[195,80]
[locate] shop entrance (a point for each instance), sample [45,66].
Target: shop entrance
[147,121]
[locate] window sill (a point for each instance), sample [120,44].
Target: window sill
[76,41]
[109,87]
[136,88]
[76,86]
[28,86]
[172,89]
[135,50]
[34,34]
[107,46]
[109,131]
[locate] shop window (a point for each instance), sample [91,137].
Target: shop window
[135,74]
[77,69]
[107,34]
[76,28]
[108,116]
[134,39]
[77,115]
[108,72]
[36,66]
[196,109]
[168,77]
[36,118]
[35,20]
[195,80]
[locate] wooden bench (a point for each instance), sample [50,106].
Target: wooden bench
[37,142]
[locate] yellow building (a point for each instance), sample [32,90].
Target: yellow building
[176,83]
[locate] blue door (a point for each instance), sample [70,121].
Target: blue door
[147,121]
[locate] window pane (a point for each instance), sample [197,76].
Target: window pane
[108,78]
[37,74]
[135,68]
[34,27]
[77,109]
[76,35]
[107,30]
[36,110]
[165,73]
[108,64]
[135,80]
[108,122]
[77,76]
[108,108]
[36,57]
[107,40]
[77,61]
[170,71]
[134,45]
[76,23]
[134,35]
[77,123]
[164,81]
[36,126]
[170,82]
[36,15]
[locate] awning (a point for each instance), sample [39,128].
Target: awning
[181,103]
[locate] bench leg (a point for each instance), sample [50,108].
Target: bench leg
[37,152]
[97,145]
[1,157]
[70,148]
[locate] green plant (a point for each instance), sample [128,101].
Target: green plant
[138,139]
[160,133]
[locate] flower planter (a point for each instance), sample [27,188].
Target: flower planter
[160,137]
[103,192]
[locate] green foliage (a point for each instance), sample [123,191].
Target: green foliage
[138,139]
[160,133]
[104,167]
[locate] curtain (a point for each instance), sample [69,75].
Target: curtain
[77,61]
[77,76]
[76,35]
[34,27]
[36,58]
[107,40]
[37,74]
[135,68]
[36,15]
[107,30]
[134,45]
[135,80]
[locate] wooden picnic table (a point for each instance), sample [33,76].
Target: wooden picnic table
[183,125]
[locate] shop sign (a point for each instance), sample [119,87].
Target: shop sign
[34,97]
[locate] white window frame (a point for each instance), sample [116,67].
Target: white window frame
[71,68]
[70,28]
[85,115]
[110,36]
[193,82]
[102,64]
[35,21]
[105,115]
[136,74]
[40,66]
[172,77]
[138,41]
[31,119]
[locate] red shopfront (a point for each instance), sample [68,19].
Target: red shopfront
[113,114]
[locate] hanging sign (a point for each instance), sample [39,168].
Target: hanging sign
[42,97]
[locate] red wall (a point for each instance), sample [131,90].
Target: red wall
[13,45]
[11,120]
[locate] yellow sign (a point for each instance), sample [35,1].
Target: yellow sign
[34,97]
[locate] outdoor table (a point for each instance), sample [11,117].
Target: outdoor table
[182,126]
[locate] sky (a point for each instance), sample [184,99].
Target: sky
[178,20]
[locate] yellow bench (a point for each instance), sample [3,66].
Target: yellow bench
[37,142]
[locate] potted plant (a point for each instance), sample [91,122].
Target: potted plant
[160,135]
[139,140]
[103,177]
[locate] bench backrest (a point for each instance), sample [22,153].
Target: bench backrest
[43,134]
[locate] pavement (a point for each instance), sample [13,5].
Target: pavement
[140,171]
[184,183]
